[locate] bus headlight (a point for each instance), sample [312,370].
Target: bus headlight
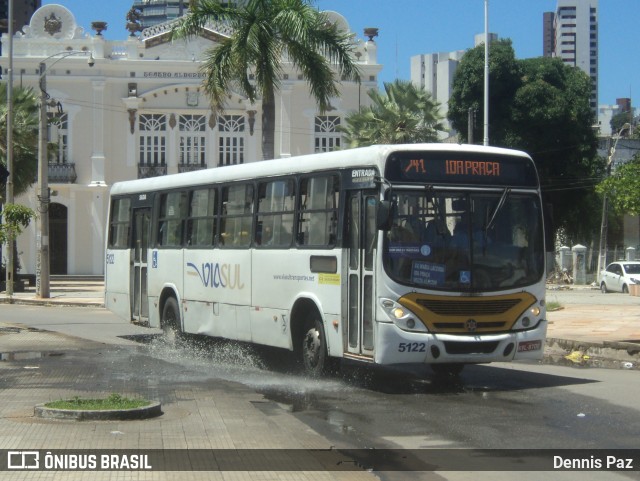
[402,317]
[529,319]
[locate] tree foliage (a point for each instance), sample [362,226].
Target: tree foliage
[622,187]
[404,114]
[25,137]
[15,218]
[264,33]
[541,106]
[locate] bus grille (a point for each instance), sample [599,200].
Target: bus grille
[468,315]
[468,308]
[470,347]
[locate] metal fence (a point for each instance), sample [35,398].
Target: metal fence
[568,263]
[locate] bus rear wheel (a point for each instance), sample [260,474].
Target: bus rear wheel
[314,350]
[170,321]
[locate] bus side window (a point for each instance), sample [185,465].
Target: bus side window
[318,217]
[201,224]
[173,210]
[237,215]
[276,202]
[119,223]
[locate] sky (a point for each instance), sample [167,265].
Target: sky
[413,27]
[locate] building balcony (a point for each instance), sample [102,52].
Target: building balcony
[62,173]
[149,170]
[191,167]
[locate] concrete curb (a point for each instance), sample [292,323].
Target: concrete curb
[608,354]
[50,302]
[152,410]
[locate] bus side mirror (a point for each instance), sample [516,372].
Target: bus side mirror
[384,215]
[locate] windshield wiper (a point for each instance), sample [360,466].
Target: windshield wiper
[501,202]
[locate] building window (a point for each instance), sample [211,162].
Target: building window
[231,131]
[327,135]
[59,136]
[193,140]
[153,139]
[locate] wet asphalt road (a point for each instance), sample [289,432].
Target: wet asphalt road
[492,406]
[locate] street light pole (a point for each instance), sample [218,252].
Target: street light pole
[604,226]
[485,140]
[9,267]
[42,238]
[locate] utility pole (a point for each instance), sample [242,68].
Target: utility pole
[42,238]
[9,264]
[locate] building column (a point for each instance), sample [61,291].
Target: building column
[97,155]
[284,125]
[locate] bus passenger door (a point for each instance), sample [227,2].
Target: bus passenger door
[139,253]
[361,245]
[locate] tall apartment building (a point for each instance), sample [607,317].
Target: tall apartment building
[154,12]
[434,72]
[22,11]
[574,30]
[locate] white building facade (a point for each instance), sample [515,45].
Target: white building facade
[140,111]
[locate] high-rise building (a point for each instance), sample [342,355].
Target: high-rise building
[548,34]
[154,12]
[22,11]
[434,73]
[575,34]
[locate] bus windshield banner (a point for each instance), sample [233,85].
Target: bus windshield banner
[461,168]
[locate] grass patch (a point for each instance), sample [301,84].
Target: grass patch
[553,306]
[114,401]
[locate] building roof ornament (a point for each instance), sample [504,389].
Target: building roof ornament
[53,22]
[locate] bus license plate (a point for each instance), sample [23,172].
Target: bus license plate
[527,346]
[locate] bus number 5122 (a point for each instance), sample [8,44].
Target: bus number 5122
[412,347]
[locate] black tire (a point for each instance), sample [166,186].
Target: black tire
[625,289]
[603,288]
[447,369]
[170,321]
[314,350]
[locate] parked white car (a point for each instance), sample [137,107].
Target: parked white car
[618,276]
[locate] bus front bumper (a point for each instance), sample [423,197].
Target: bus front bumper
[395,346]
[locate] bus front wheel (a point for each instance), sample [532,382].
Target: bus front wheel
[170,321]
[314,350]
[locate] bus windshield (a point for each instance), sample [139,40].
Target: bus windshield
[465,241]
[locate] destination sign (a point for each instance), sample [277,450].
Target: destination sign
[461,168]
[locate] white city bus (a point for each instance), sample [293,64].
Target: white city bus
[393,254]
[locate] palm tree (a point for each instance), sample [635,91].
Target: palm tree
[404,114]
[25,137]
[267,33]
[25,110]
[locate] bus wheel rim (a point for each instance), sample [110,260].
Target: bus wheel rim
[312,346]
